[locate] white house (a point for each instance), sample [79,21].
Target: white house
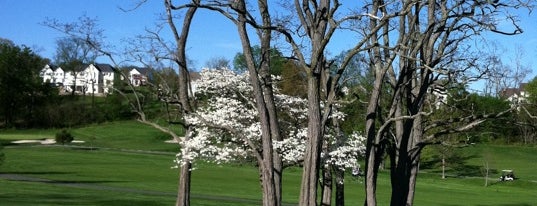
[139,76]
[52,74]
[515,96]
[88,78]
[91,78]
[107,77]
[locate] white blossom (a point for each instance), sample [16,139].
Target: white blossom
[227,126]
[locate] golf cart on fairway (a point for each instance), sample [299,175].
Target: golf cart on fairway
[507,175]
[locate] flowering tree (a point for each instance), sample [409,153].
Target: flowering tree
[227,126]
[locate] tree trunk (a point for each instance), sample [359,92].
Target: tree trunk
[326,199]
[443,167]
[399,177]
[183,191]
[486,172]
[373,149]
[317,33]
[340,187]
[268,93]
[183,194]
[270,197]
[414,169]
[310,175]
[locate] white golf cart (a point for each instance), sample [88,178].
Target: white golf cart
[507,175]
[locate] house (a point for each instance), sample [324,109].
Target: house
[52,74]
[108,75]
[515,95]
[87,78]
[438,93]
[91,78]
[139,76]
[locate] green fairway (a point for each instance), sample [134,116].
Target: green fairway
[129,164]
[10,135]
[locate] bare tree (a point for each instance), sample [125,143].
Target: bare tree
[270,164]
[307,32]
[86,31]
[217,63]
[503,75]
[156,48]
[412,53]
[185,100]
[71,54]
[317,23]
[73,49]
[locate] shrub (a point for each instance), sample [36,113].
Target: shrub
[64,137]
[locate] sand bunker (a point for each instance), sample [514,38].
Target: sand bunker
[171,141]
[41,141]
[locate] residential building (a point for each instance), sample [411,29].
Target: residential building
[87,78]
[139,76]
[515,95]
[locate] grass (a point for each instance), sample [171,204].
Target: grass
[129,135]
[125,135]
[58,175]
[32,193]
[29,135]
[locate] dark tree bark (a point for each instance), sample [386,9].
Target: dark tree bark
[183,191]
[432,33]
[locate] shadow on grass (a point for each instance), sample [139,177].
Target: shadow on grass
[514,204]
[23,177]
[129,202]
[75,199]
[517,204]
[35,173]
[457,165]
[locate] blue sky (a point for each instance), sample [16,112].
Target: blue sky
[211,36]
[21,22]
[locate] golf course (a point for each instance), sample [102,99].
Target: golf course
[128,163]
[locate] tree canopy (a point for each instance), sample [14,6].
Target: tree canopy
[21,88]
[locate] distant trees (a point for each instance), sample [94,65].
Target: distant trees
[70,49]
[27,101]
[277,60]
[526,118]
[22,93]
[217,63]
[71,54]
[501,75]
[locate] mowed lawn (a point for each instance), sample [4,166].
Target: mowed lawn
[128,163]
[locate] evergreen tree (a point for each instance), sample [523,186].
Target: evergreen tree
[21,88]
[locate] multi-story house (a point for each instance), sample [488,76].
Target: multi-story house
[515,95]
[88,78]
[139,76]
[52,74]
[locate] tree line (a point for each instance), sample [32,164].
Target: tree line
[28,102]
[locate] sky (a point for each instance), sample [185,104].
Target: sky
[211,35]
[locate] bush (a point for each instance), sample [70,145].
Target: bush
[64,137]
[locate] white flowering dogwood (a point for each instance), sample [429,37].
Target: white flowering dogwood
[346,155]
[227,126]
